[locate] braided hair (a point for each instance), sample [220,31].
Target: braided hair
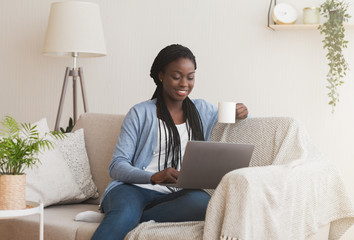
[194,124]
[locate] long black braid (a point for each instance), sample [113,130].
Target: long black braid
[194,124]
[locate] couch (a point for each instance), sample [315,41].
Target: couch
[274,140]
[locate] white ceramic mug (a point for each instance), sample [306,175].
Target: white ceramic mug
[227,112]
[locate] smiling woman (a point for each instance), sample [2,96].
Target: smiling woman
[150,148]
[178,82]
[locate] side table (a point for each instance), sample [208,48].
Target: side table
[31,209]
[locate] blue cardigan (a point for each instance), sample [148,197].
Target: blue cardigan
[138,140]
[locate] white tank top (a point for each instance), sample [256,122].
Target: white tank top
[153,166]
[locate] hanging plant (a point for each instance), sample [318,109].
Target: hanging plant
[335,11]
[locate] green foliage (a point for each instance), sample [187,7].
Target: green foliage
[333,30]
[69,128]
[20,145]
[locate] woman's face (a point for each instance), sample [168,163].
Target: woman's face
[177,80]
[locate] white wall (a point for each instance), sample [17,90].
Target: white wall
[239,59]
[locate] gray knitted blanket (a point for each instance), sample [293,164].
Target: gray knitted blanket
[288,192]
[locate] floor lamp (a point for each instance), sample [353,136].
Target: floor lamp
[74,30]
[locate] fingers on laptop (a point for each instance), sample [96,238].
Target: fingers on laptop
[171,175]
[168,175]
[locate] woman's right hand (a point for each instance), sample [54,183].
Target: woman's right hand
[168,175]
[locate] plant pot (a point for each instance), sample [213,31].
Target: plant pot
[12,192]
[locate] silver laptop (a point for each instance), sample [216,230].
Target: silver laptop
[205,163]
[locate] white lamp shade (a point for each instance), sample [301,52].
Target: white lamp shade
[74,27]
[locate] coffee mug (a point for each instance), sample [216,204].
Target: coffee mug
[227,112]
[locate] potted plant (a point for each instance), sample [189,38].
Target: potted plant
[335,11]
[19,148]
[69,128]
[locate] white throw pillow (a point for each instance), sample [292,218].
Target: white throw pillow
[42,127]
[63,176]
[51,181]
[74,152]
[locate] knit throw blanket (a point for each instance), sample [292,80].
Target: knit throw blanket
[288,192]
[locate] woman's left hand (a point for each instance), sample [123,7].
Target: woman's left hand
[241,111]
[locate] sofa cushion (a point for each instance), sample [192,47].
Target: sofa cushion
[58,224]
[101,134]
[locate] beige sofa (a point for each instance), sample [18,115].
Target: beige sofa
[101,133]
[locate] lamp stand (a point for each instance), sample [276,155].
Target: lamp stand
[74,73]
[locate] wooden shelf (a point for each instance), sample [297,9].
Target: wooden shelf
[302,27]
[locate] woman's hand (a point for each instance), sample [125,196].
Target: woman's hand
[241,111]
[168,175]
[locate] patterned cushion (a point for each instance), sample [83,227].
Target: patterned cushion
[75,156]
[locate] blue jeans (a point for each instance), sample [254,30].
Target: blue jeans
[125,206]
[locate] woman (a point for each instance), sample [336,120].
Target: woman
[150,148]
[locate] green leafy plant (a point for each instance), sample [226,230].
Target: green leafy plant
[336,13]
[20,145]
[69,128]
